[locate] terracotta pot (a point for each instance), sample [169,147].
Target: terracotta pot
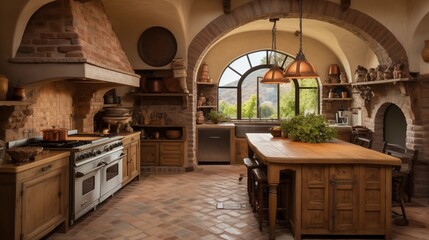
[19,94]
[4,84]
[425,51]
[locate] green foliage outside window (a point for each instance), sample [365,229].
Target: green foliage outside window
[248,108]
[228,109]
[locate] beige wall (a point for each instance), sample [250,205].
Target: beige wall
[230,48]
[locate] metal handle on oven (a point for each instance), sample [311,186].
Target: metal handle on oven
[81,174]
[114,160]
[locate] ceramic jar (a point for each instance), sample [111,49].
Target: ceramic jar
[343,77]
[19,94]
[200,117]
[425,51]
[4,84]
[334,73]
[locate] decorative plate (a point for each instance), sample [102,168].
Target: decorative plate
[157,46]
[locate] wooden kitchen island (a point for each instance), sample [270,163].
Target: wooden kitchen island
[339,188]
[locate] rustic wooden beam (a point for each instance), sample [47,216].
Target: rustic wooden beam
[345,4]
[226,6]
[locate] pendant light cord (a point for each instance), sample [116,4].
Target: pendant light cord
[274,39]
[300,25]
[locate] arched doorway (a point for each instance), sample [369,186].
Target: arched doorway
[395,125]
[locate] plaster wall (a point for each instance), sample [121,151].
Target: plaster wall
[237,45]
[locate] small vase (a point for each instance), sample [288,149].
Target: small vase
[4,84]
[425,51]
[19,94]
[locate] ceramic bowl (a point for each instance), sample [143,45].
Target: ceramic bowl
[173,134]
[20,155]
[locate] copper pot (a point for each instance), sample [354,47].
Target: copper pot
[154,85]
[55,134]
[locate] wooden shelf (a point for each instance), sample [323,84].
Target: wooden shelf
[337,99]
[156,126]
[184,96]
[205,107]
[161,94]
[14,103]
[207,83]
[112,105]
[383,81]
[336,84]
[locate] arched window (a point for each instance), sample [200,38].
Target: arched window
[242,96]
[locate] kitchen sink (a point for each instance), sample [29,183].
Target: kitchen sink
[253,127]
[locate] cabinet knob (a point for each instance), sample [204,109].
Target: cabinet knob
[44,169]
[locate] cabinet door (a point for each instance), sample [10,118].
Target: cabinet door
[344,198]
[43,203]
[329,199]
[171,154]
[149,154]
[241,150]
[372,204]
[315,199]
[134,159]
[125,163]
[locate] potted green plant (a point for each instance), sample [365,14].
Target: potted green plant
[216,117]
[309,128]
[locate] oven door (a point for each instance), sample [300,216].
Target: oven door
[87,187]
[111,174]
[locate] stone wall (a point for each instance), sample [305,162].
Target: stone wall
[412,98]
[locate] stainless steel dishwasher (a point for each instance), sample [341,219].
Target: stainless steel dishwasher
[213,146]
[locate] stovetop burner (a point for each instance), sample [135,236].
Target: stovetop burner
[60,144]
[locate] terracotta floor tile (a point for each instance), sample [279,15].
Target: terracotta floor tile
[176,206]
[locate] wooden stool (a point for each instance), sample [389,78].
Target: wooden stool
[251,164]
[261,194]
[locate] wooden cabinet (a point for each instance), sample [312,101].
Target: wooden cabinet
[241,150]
[160,148]
[344,199]
[149,153]
[35,196]
[171,153]
[131,162]
[162,153]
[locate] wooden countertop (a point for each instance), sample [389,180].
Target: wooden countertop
[283,150]
[219,125]
[43,158]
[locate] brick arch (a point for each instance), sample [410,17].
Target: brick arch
[384,44]
[379,121]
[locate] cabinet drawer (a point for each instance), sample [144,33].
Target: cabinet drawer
[171,148]
[131,138]
[44,168]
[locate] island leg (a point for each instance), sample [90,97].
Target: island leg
[273,182]
[272,209]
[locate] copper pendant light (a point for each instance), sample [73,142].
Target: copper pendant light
[300,68]
[275,74]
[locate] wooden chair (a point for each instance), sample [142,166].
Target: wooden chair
[402,176]
[363,142]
